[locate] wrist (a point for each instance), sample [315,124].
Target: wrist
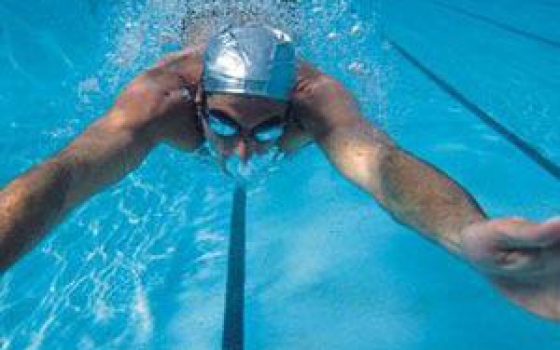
[462,245]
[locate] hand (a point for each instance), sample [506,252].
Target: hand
[161,101]
[521,258]
[321,102]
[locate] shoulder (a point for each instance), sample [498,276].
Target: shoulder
[323,103]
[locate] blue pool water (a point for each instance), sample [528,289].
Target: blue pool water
[469,85]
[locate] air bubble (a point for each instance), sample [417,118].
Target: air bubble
[357,68]
[356,29]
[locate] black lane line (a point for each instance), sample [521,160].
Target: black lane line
[530,151]
[233,332]
[527,35]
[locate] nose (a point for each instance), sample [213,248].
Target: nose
[244,150]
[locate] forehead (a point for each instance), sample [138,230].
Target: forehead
[248,111]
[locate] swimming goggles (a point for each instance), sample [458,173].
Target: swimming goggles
[224,126]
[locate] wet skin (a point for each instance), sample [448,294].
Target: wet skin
[521,257]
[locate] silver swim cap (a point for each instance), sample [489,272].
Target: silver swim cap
[251,60]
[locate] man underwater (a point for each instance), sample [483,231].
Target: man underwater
[247,96]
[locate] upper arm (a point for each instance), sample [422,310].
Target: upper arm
[353,145]
[357,149]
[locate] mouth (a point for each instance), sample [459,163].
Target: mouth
[252,169]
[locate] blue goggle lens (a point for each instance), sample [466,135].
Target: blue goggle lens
[270,134]
[220,127]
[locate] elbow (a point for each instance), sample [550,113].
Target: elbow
[5,255]
[12,244]
[10,249]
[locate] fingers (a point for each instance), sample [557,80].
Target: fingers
[170,59]
[186,63]
[531,235]
[553,220]
[514,247]
[180,56]
[159,79]
[548,233]
[541,296]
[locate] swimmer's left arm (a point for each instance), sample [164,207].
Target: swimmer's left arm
[413,192]
[522,258]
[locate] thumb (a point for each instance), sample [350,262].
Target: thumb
[531,235]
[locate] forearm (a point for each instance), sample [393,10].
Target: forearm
[36,201]
[424,198]
[413,192]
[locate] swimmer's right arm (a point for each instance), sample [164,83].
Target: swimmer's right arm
[152,109]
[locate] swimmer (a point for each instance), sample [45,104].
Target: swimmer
[245,95]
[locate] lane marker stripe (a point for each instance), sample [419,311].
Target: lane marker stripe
[526,34]
[233,332]
[526,148]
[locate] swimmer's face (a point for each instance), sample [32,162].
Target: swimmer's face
[243,125]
